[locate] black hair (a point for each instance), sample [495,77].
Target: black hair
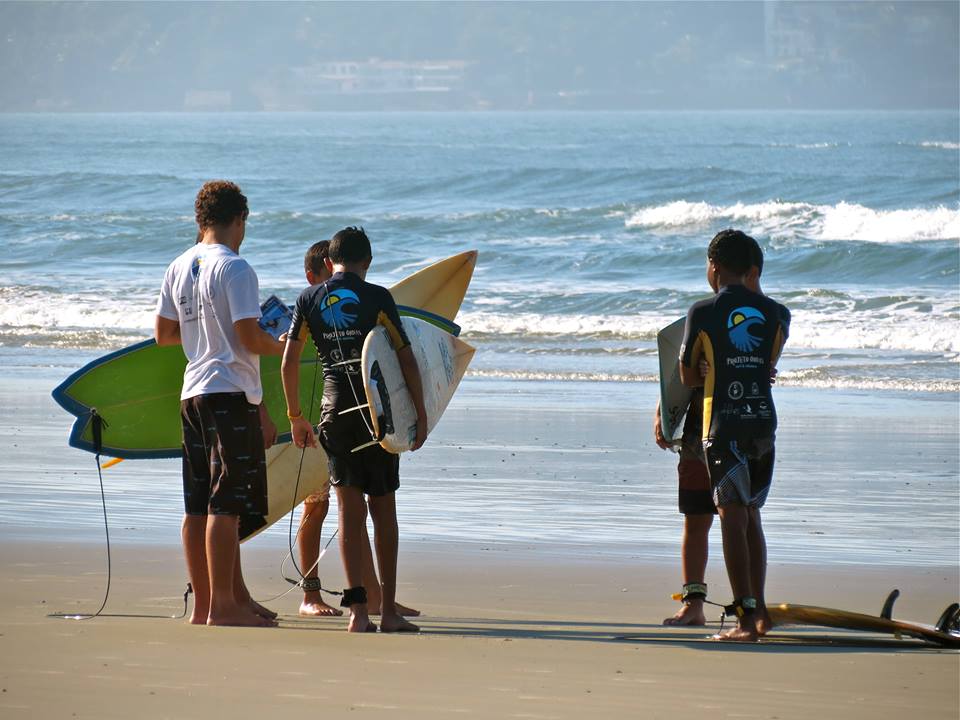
[350,245]
[757,255]
[318,252]
[733,250]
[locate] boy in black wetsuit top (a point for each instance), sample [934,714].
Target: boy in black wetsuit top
[740,335]
[339,314]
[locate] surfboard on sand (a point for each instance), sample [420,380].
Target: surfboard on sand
[442,360]
[943,633]
[674,395]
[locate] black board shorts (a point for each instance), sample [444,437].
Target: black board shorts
[740,471]
[695,491]
[373,470]
[224,463]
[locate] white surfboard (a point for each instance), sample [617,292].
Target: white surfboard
[442,359]
[674,395]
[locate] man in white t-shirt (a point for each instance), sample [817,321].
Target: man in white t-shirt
[209,303]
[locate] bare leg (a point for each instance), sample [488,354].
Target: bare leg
[372,584]
[758,569]
[194,534]
[386,536]
[242,595]
[352,515]
[734,519]
[223,547]
[693,554]
[308,542]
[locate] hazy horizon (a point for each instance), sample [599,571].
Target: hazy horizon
[383,56]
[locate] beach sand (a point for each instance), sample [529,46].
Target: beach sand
[505,633]
[515,625]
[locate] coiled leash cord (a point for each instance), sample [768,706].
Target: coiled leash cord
[97,423]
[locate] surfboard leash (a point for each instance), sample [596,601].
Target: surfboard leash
[97,423]
[304,582]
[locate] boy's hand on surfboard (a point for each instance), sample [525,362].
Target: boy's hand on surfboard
[302,432]
[773,375]
[658,432]
[421,434]
[704,367]
[268,428]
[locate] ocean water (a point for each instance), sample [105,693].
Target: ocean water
[592,231]
[591,228]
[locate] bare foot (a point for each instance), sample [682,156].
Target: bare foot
[401,610]
[360,621]
[743,632]
[199,616]
[406,611]
[763,622]
[315,607]
[396,623]
[691,613]
[261,610]
[240,617]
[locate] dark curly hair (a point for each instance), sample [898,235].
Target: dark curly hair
[218,203]
[734,250]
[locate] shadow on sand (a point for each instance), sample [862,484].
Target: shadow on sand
[781,640]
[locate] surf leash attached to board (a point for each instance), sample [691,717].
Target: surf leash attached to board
[97,424]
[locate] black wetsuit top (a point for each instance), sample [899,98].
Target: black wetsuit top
[740,333]
[339,314]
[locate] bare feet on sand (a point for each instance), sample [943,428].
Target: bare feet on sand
[396,623]
[261,610]
[763,622]
[360,621]
[743,632]
[401,610]
[691,613]
[314,606]
[240,617]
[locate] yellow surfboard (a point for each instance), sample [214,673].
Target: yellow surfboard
[944,633]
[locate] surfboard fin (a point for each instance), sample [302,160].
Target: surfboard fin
[949,621]
[887,612]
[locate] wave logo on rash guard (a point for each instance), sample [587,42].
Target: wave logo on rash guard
[338,309]
[738,327]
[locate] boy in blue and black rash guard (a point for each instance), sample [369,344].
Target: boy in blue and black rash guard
[339,313]
[740,334]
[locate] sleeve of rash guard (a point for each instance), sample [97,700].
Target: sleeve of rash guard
[691,349]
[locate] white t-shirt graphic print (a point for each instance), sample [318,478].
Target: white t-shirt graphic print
[207,289]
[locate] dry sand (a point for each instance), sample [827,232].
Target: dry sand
[506,632]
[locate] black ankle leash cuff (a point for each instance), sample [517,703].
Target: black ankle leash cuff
[694,591]
[741,607]
[354,596]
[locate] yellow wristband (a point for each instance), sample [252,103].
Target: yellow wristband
[294,417]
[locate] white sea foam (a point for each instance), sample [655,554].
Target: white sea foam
[843,221]
[907,330]
[943,145]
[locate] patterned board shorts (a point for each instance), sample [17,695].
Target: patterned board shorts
[224,463]
[740,472]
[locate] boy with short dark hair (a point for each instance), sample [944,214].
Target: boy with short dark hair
[695,494]
[740,334]
[318,268]
[340,313]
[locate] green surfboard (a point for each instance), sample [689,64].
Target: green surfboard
[136,391]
